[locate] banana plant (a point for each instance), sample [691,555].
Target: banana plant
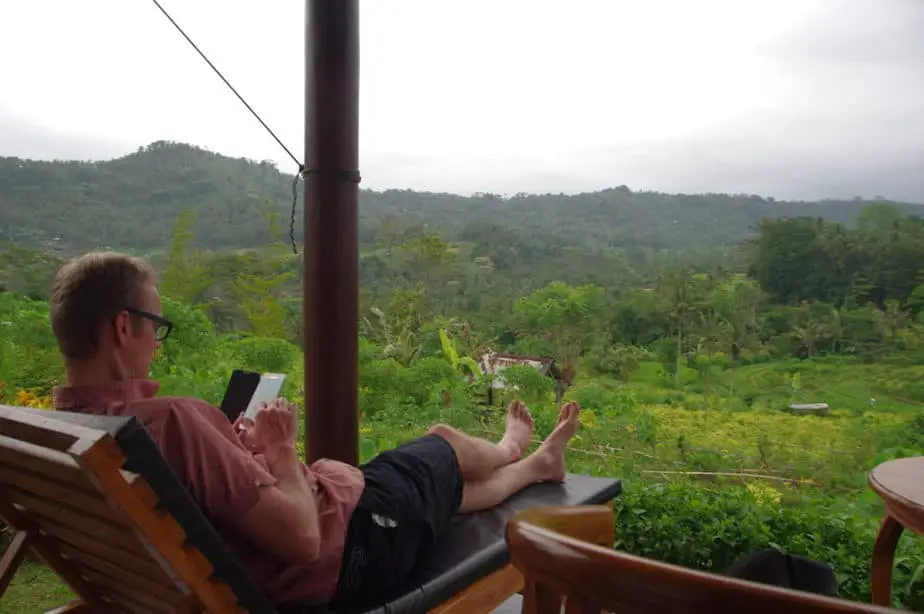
[399,342]
[461,363]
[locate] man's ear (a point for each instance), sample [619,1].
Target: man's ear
[121,328]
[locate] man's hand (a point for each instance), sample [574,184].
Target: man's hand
[275,426]
[242,424]
[243,428]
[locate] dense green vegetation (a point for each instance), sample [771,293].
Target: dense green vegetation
[684,372]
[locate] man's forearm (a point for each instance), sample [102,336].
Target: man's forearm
[285,466]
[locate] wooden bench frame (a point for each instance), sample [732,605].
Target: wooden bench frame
[55,474]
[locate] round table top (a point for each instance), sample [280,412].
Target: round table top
[900,480]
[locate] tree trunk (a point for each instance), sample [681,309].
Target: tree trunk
[679,354]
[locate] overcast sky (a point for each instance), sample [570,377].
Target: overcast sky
[787,98]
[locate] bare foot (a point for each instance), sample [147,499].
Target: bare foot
[550,456]
[519,431]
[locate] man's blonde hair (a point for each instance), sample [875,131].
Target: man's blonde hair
[90,290]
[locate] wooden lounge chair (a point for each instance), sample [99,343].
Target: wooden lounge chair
[93,497]
[564,554]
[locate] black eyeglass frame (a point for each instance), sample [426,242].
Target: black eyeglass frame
[163,325]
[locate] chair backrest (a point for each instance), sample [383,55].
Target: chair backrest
[94,498]
[593,578]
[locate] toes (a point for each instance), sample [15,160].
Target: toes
[521,413]
[570,411]
[565,413]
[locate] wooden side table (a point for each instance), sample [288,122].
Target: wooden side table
[900,483]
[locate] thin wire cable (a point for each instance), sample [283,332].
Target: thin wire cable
[231,87]
[301,167]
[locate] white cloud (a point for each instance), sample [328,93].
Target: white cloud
[789,97]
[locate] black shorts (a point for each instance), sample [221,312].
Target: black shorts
[411,494]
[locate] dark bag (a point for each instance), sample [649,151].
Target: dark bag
[786,570]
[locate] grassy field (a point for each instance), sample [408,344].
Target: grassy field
[34,589]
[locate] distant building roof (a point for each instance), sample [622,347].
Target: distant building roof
[493,363]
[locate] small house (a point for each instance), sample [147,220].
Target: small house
[492,363]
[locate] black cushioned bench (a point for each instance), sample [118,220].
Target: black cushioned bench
[473,553]
[475,546]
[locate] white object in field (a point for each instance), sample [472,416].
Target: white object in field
[267,390]
[819,409]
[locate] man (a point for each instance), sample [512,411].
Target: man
[305,534]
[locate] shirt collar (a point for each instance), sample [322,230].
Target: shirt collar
[97,398]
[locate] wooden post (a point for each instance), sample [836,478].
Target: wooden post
[331,282]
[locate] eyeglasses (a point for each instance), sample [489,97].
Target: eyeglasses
[162,326]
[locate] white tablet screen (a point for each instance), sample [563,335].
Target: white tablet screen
[267,390]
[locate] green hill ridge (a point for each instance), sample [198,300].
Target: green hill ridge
[132,202]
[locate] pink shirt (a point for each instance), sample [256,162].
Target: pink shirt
[224,479]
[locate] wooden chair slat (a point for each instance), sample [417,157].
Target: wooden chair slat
[14,419]
[12,557]
[119,536]
[51,488]
[51,557]
[42,486]
[35,434]
[131,563]
[158,584]
[128,606]
[74,607]
[16,454]
[107,586]
[69,514]
[133,556]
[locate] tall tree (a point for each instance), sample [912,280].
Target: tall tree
[263,291]
[676,290]
[563,318]
[185,278]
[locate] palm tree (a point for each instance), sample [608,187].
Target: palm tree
[709,332]
[894,318]
[810,334]
[835,326]
[676,292]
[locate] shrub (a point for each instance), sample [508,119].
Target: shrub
[263,354]
[705,528]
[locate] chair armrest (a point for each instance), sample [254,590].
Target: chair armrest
[589,523]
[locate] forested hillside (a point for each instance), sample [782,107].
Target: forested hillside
[132,202]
